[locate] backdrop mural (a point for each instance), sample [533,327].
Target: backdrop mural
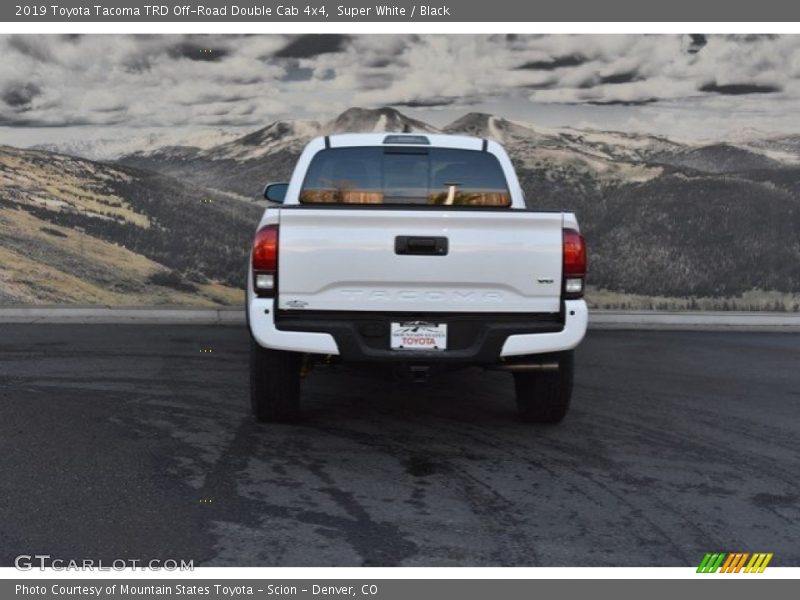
[131,166]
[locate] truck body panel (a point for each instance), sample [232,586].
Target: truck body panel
[495,261]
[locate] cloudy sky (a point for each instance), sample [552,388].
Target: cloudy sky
[54,88]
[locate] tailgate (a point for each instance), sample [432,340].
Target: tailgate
[419,260]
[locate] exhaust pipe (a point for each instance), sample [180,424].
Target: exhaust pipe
[519,368]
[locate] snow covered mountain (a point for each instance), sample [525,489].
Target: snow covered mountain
[385,119]
[580,160]
[113,148]
[601,144]
[274,137]
[244,164]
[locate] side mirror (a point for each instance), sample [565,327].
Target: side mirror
[276,192]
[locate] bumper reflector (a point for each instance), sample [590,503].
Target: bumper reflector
[265,281]
[573,285]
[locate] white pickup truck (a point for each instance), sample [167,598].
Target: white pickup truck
[418,250]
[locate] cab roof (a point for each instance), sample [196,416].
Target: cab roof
[430,140]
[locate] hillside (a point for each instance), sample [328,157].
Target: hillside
[719,158]
[76,231]
[700,236]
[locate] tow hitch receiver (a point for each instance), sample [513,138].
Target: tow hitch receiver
[419,373]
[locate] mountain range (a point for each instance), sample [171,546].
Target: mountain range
[662,217]
[112,148]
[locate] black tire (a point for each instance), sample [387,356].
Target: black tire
[544,396]
[274,384]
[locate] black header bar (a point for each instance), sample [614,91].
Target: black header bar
[443,11]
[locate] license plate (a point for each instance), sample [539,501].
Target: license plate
[419,335]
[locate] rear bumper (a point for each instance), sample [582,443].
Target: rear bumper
[473,339]
[576,319]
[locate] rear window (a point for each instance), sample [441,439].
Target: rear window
[405,175]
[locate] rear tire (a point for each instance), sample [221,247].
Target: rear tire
[544,396]
[274,384]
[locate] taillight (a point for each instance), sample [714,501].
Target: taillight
[265,261]
[574,264]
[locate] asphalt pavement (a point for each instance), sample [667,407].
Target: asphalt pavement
[135,441]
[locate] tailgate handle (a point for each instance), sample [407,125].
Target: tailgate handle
[409,244]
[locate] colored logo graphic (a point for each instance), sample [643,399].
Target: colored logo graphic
[734,562]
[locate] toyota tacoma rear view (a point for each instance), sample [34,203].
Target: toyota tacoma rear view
[417,250]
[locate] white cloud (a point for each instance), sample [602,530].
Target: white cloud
[174,81]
